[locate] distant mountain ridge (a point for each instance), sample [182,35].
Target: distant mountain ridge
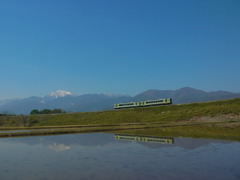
[96,102]
[187,95]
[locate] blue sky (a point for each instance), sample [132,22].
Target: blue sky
[118,46]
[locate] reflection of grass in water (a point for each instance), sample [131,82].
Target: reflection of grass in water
[219,130]
[214,131]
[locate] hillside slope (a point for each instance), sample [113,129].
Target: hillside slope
[211,111]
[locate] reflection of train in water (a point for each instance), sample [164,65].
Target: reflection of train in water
[153,139]
[156,102]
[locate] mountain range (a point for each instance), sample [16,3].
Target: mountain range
[97,102]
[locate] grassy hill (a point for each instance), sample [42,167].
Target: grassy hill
[194,112]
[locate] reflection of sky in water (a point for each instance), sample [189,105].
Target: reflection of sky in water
[100,156]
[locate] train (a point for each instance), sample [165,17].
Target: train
[156,102]
[151,139]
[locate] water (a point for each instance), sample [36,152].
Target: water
[100,156]
[25,130]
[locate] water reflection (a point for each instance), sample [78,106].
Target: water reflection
[104,139]
[24,130]
[149,139]
[59,147]
[101,156]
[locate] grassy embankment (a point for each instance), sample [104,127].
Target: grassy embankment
[196,119]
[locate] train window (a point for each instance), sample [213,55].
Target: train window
[152,102]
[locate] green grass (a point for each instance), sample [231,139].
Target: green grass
[159,114]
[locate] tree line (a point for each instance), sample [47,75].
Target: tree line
[47,111]
[5,113]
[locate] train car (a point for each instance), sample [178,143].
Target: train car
[151,139]
[156,102]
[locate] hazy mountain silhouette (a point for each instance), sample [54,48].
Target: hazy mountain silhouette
[98,102]
[186,95]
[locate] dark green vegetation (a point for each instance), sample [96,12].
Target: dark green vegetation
[47,111]
[6,114]
[171,119]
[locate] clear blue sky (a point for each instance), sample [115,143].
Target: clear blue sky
[118,46]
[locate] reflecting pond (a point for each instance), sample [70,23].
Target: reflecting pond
[103,156]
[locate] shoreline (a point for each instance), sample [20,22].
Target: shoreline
[135,129]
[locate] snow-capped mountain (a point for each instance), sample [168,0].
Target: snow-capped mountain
[64,100]
[95,102]
[60,93]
